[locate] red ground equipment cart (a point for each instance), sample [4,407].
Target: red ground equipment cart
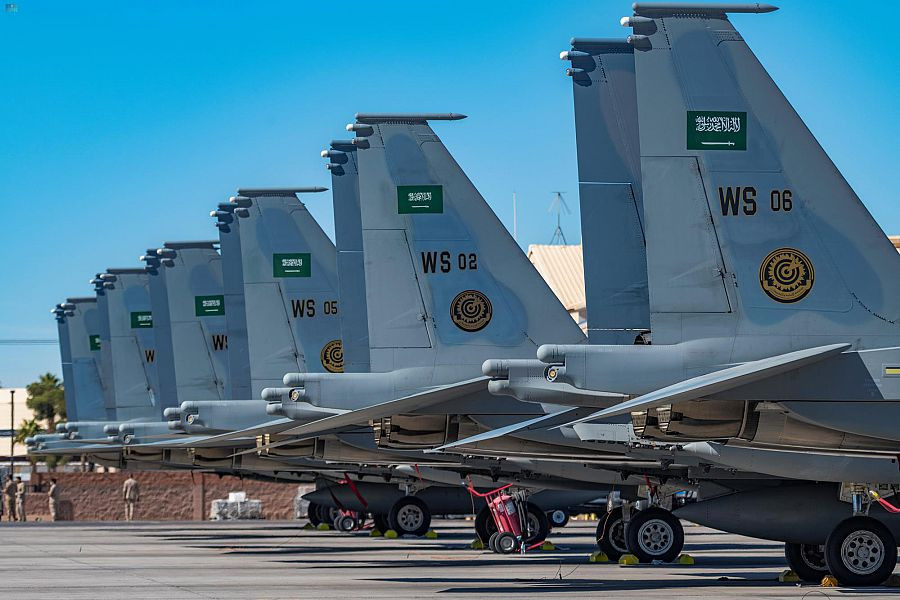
[510,514]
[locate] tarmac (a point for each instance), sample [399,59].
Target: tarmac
[260,559]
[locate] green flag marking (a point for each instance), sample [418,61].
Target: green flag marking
[209,306]
[414,199]
[716,130]
[291,264]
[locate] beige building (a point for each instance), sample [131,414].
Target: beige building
[20,412]
[562,267]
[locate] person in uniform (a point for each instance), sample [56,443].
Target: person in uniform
[21,492]
[53,498]
[131,492]
[9,490]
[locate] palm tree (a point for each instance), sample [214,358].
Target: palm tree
[27,429]
[47,398]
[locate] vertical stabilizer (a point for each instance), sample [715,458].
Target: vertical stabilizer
[131,348]
[79,326]
[342,163]
[751,229]
[290,287]
[189,317]
[446,284]
[237,384]
[609,181]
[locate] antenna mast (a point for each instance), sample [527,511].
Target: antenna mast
[558,206]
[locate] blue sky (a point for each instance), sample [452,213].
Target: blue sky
[124,123]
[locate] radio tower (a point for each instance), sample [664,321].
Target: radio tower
[558,206]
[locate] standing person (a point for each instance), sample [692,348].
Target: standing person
[131,492]
[9,490]
[53,497]
[21,491]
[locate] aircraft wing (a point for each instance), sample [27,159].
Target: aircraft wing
[179,442]
[273,426]
[543,422]
[393,407]
[719,381]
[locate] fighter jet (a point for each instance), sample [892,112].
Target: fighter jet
[770,311]
[268,215]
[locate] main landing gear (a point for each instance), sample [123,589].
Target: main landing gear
[652,534]
[861,551]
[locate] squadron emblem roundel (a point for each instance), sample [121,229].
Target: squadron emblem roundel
[786,275]
[332,356]
[471,311]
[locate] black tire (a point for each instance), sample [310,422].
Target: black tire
[861,551]
[538,525]
[381,522]
[312,513]
[654,534]
[558,518]
[506,543]
[492,542]
[326,514]
[807,561]
[484,525]
[611,535]
[345,523]
[410,516]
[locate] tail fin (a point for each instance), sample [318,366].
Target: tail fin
[237,384]
[79,339]
[609,175]
[290,287]
[130,349]
[750,226]
[429,236]
[189,319]
[350,262]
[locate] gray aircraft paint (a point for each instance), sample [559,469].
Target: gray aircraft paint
[609,176]
[284,334]
[350,263]
[133,378]
[237,384]
[105,365]
[705,266]
[524,309]
[79,339]
[712,302]
[414,342]
[184,277]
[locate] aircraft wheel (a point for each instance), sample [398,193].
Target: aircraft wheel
[807,561]
[492,542]
[611,534]
[484,525]
[381,523]
[538,525]
[312,513]
[506,543]
[654,534]
[345,523]
[410,516]
[558,518]
[861,551]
